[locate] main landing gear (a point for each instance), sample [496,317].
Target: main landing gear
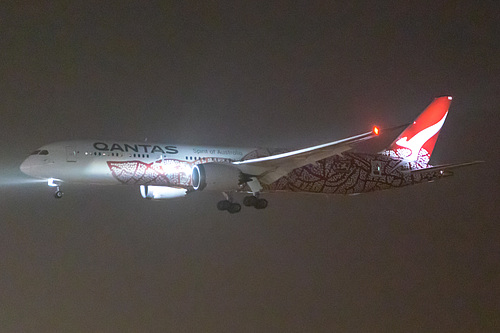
[231,207]
[254,201]
[234,207]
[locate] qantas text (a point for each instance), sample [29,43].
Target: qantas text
[102,146]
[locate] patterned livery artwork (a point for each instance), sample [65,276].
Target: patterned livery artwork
[166,172]
[170,172]
[350,173]
[421,161]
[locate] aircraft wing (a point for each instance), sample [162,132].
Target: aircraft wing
[271,168]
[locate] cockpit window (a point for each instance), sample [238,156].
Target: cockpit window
[44,152]
[35,152]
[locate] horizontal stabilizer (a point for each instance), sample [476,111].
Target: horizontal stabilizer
[443,167]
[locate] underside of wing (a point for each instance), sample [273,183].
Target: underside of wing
[271,168]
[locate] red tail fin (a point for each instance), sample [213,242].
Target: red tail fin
[417,141]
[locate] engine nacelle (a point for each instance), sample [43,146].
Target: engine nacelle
[161,192]
[216,177]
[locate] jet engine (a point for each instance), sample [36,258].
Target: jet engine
[216,177]
[161,192]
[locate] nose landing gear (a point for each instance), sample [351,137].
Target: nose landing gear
[58,194]
[57,184]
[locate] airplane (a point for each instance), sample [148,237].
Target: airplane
[163,171]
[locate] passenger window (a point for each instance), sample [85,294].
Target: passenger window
[44,152]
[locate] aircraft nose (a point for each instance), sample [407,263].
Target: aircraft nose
[25,167]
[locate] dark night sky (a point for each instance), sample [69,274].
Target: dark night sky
[424,258]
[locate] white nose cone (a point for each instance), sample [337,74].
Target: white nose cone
[28,167]
[25,167]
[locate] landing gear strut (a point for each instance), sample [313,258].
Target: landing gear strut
[254,200]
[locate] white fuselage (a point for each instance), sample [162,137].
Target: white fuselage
[89,161]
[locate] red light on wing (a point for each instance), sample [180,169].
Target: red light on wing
[376,130]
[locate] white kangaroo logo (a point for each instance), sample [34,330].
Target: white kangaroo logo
[419,139]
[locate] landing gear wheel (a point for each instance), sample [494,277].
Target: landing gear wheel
[261,204]
[58,195]
[224,205]
[250,200]
[234,208]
